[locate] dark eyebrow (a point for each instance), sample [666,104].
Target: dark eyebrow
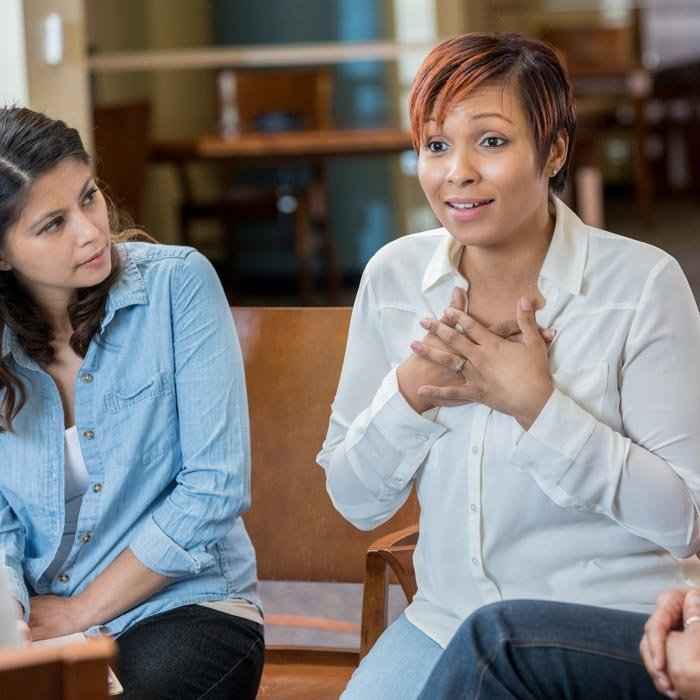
[484,115]
[489,114]
[51,214]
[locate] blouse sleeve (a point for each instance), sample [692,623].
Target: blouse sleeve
[213,487]
[375,441]
[647,477]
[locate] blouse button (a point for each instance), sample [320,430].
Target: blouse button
[63,578]
[97,488]
[475,449]
[473,507]
[475,561]
[87,377]
[85,538]
[88,435]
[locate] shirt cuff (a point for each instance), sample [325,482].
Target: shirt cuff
[554,440]
[17,590]
[400,430]
[154,549]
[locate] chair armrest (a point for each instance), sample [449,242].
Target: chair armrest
[395,549]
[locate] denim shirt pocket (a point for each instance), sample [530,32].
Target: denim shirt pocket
[142,420]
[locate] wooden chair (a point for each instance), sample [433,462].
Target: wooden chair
[604,63]
[69,672]
[292,360]
[122,147]
[274,101]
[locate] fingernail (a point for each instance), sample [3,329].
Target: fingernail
[671,694]
[416,346]
[525,304]
[549,333]
[450,313]
[693,597]
[424,391]
[662,683]
[426,323]
[455,296]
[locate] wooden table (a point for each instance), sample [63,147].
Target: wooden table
[303,145]
[259,149]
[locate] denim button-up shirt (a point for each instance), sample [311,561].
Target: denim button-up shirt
[160,408]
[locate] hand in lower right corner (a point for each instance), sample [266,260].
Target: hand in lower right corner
[666,618]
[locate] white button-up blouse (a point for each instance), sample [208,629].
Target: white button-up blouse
[597,502]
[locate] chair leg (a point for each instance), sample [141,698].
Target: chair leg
[642,175]
[375,602]
[303,249]
[185,237]
[320,217]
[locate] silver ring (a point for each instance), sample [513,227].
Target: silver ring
[690,620]
[460,365]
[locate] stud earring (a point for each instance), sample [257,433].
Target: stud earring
[554,172]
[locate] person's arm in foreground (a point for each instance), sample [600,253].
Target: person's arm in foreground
[123,585]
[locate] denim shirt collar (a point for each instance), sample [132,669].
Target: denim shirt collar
[128,290]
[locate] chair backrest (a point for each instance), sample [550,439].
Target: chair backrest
[122,147]
[284,100]
[292,362]
[68,672]
[595,49]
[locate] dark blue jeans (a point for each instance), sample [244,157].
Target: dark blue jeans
[189,653]
[537,650]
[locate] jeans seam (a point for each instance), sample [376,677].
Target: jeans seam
[229,672]
[575,647]
[486,663]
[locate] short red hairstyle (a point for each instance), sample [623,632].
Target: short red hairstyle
[458,66]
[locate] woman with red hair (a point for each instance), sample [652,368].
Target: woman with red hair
[568,473]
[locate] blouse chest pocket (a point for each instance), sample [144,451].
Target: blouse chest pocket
[585,385]
[141,420]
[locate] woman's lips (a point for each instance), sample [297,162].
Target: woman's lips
[94,260]
[468,209]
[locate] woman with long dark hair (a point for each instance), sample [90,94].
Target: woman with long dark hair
[124,448]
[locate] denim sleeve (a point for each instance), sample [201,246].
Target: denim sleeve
[213,486]
[11,549]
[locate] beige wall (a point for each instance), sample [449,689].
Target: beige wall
[61,91]
[13,86]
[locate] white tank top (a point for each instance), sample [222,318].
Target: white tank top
[76,483]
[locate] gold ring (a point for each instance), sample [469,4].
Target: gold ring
[460,365]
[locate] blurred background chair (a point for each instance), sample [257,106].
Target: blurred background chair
[612,89]
[122,149]
[272,103]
